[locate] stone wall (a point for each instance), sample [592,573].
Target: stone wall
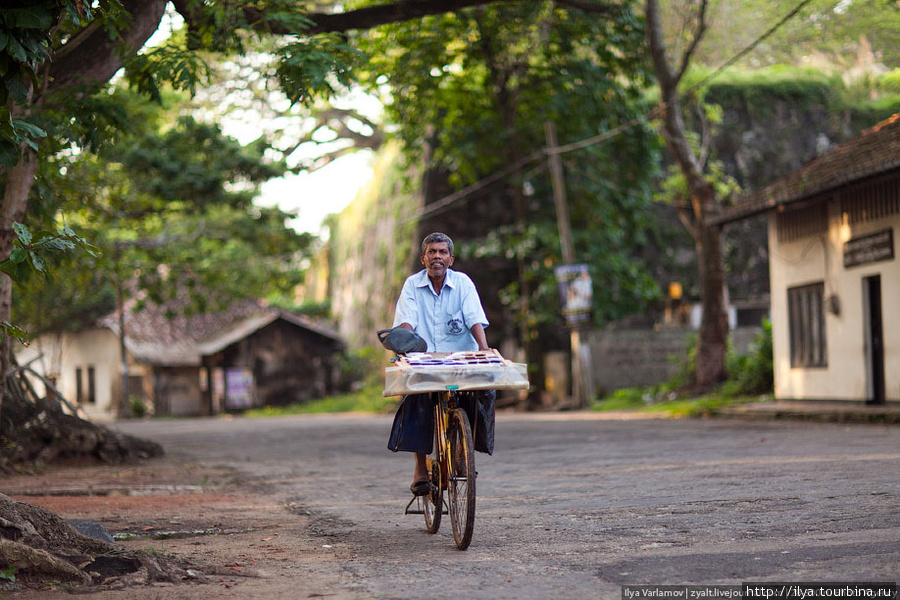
[641,357]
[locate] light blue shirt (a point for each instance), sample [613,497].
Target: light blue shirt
[443,320]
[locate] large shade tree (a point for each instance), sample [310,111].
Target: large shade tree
[471,93]
[702,201]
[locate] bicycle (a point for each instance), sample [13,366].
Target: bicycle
[451,467]
[444,376]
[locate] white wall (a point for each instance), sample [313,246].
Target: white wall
[60,355]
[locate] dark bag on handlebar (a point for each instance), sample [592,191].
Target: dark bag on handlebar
[401,340]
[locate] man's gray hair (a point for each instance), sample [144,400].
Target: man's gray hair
[436,238]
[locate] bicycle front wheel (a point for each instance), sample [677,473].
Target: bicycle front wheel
[432,503]
[461,480]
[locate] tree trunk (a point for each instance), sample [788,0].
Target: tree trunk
[713,335]
[19,181]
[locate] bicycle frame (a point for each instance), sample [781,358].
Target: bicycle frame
[452,444]
[445,402]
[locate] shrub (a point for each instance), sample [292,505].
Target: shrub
[752,374]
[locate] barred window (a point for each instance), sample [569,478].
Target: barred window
[806,315]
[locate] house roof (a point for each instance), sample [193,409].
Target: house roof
[155,337]
[239,330]
[874,152]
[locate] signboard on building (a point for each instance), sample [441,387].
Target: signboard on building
[575,293]
[239,388]
[866,249]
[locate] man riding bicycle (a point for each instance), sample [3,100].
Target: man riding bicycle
[442,306]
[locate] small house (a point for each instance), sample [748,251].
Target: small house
[248,356]
[834,274]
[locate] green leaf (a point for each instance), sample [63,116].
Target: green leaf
[7,329]
[36,261]
[15,85]
[16,50]
[22,232]
[9,153]
[17,255]
[34,17]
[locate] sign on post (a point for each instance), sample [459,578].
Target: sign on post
[575,294]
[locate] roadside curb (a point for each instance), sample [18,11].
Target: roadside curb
[824,411]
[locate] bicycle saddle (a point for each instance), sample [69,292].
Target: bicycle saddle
[401,340]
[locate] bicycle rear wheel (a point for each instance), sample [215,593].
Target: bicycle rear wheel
[461,483]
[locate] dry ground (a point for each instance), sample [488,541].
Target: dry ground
[240,541]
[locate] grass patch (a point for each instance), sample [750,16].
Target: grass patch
[750,380]
[659,399]
[367,400]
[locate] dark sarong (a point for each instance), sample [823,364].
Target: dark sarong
[413,427]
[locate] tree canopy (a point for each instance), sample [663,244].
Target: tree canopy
[170,210]
[473,90]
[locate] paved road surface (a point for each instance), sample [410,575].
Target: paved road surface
[572,506]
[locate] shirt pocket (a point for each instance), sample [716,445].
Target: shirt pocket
[455,325]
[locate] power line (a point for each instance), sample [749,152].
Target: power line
[446,202]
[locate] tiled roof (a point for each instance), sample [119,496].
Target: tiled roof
[875,151]
[154,337]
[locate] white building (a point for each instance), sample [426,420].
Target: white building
[834,275]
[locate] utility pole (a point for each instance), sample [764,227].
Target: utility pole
[582,385]
[123,409]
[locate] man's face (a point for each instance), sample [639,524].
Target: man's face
[437,259]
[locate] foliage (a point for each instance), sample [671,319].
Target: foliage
[9,573]
[29,249]
[750,378]
[173,212]
[25,42]
[475,88]
[318,66]
[753,373]
[890,82]
[825,32]
[29,255]
[755,87]
[367,400]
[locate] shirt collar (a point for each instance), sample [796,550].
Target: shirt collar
[423,281]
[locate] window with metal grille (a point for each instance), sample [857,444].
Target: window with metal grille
[803,222]
[806,316]
[871,201]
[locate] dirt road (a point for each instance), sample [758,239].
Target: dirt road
[569,506]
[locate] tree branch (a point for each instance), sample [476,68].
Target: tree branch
[664,74]
[362,18]
[695,41]
[335,119]
[590,8]
[673,124]
[97,57]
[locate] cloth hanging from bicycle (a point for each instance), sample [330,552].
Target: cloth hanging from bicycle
[413,427]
